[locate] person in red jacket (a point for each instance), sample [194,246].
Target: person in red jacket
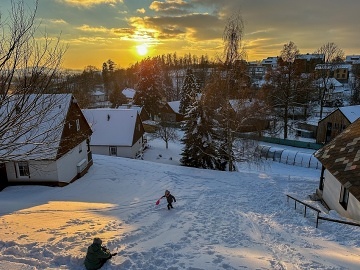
[170,199]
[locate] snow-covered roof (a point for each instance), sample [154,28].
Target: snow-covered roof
[330,81]
[309,56]
[352,113]
[97,93]
[175,106]
[113,127]
[41,124]
[130,106]
[129,92]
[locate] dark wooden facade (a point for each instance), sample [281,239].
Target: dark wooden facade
[330,126]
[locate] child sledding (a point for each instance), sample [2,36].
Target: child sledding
[170,199]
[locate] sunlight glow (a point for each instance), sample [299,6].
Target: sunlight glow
[142,49]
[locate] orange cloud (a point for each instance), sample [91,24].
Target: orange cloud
[89,3]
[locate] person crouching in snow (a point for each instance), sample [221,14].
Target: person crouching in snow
[170,199]
[97,255]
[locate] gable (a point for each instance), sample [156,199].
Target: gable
[341,157]
[76,129]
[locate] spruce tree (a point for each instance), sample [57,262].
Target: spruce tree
[199,138]
[149,90]
[188,92]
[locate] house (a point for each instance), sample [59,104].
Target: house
[335,91]
[53,146]
[307,62]
[170,112]
[334,123]
[99,98]
[270,62]
[340,178]
[129,93]
[116,132]
[249,115]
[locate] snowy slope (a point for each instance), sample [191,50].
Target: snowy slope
[221,220]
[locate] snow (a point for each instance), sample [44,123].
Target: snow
[221,220]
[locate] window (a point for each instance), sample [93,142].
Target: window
[23,167]
[77,124]
[80,147]
[113,150]
[344,197]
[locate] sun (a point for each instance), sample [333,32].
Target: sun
[142,49]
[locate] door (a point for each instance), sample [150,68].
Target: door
[328,132]
[3,176]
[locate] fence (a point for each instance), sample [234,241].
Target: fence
[289,157]
[318,213]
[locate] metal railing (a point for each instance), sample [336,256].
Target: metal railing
[318,213]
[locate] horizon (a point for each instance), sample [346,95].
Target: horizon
[128,31]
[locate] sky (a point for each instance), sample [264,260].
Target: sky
[98,30]
[220,220]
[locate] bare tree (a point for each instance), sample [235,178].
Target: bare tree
[29,67]
[333,56]
[233,54]
[283,83]
[166,132]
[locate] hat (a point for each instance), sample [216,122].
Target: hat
[97,240]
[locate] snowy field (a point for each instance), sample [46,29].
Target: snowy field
[221,220]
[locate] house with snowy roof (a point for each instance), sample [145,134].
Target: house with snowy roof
[129,93]
[334,123]
[170,112]
[46,145]
[339,184]
[116,132]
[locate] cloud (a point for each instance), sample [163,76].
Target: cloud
[140,10]
[58,21]
[171,6]
[197,26]
[87,28]
[89,3]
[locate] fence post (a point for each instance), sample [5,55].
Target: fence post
[317,219]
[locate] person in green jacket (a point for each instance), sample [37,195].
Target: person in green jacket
[97,255]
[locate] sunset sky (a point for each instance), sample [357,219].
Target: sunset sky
[98,30]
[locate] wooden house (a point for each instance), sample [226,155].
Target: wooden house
[339,184]
[52,148]
[170,112]
[116,132]
[334,123]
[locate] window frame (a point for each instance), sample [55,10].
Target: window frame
[111,152]
[344,197]
[23,169]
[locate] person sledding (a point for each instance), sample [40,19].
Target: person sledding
[170,199]
[97,255]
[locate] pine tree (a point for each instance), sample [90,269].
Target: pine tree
[149,90]
[188,92]
[199,138]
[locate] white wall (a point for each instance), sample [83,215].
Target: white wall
[62,170]
[39,171]
[122,151]
[67,164]
[331,195]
